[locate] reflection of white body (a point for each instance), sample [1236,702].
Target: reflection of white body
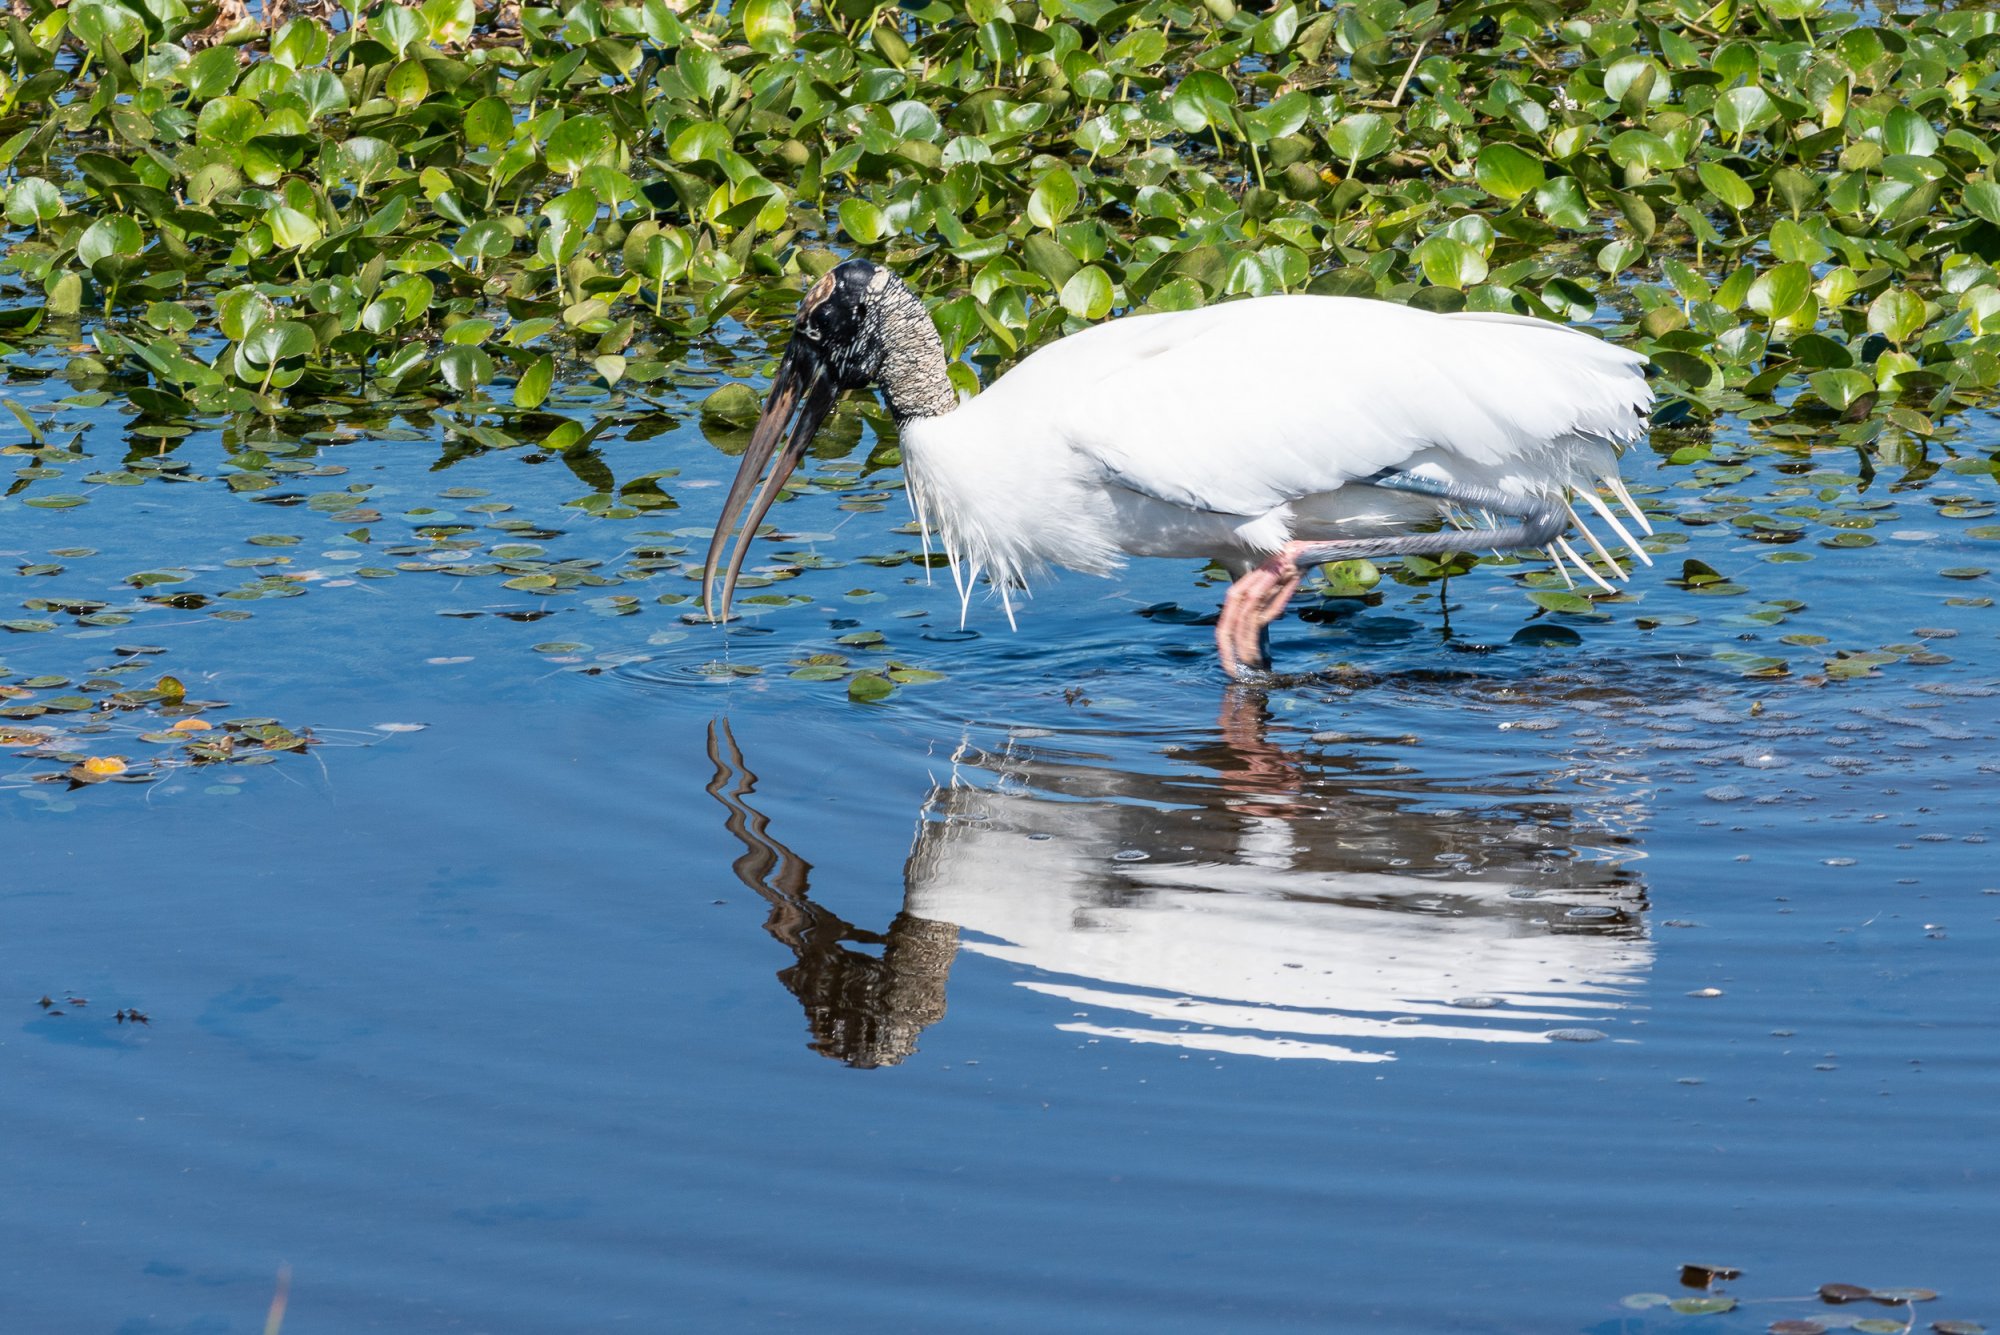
[1276,925]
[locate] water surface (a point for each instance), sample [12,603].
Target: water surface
[1466,980]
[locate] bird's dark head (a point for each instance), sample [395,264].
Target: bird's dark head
[851,322]
[841,323]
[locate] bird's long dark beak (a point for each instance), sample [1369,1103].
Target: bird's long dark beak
[802,393]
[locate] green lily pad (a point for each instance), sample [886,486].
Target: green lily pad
[868,686]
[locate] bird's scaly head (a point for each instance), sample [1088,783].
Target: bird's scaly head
[838,343]
[841,321]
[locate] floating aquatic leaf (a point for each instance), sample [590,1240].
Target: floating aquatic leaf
[1843,1293]
[533,387]
[1574,604]
[768,26]
[869,686]
[733,403]
[1507,172]
[1702,1306]
[579,142]
[1350,579]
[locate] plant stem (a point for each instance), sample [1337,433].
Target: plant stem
[1415,56]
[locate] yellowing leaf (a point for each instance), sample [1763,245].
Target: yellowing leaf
[104,765]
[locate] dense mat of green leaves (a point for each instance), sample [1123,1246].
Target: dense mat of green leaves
[1782,204]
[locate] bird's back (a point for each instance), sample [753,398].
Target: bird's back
[1247,405]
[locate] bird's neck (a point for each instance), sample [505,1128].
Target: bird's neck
[915,378]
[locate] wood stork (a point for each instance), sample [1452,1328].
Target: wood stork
[1270,435]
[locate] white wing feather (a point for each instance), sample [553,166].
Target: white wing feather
[1243,407]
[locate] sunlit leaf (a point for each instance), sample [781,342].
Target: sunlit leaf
[1506,172]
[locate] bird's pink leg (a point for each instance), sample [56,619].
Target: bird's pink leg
[1254,602]
[1259,597]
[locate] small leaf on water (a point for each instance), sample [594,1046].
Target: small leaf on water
[1558,600]
[1702,1306]
[1350,579]
[1698,572]
[1843,1293]
[1879,1325]
[104,765]
[868,686]
[734,403]
[533,386]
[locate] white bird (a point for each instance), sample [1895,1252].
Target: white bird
[1269,435]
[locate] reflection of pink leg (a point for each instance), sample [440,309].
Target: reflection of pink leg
[1254,602]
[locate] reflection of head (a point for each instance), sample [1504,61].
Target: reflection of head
[863,1009]
[866,1011]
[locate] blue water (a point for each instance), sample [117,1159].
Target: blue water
[1075,991]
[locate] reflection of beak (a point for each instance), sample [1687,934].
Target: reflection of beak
[801,387]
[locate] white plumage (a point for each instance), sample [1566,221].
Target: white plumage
[1225,432]
[1286,924]
[1268,434]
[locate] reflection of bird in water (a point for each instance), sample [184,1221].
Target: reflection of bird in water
[864,1010]
[1243,897]
[1245,901]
